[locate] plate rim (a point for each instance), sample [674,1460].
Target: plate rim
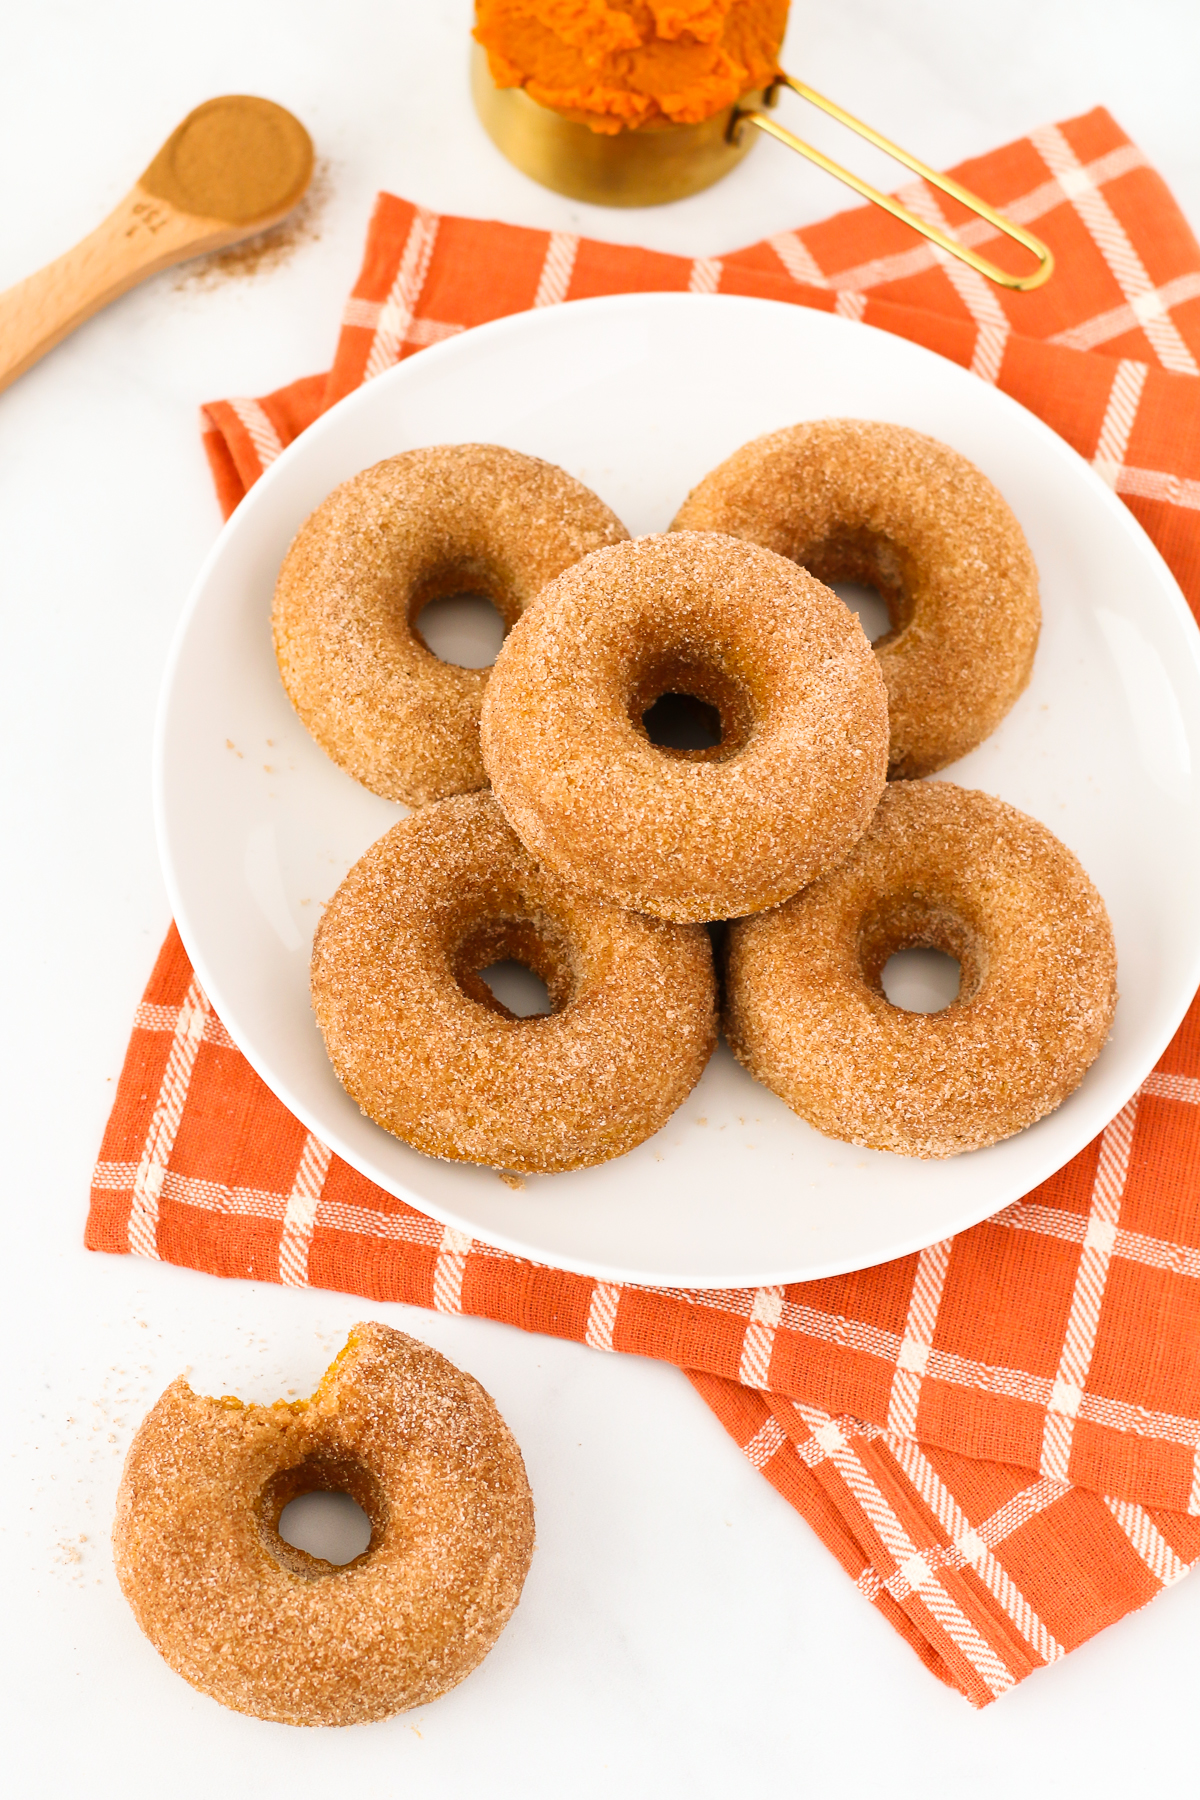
[453,348]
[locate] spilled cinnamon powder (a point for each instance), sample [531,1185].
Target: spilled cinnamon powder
[266,250]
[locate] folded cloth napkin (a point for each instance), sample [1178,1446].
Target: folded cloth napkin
[999,1437]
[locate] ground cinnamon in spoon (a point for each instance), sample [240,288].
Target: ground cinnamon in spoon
[237,158]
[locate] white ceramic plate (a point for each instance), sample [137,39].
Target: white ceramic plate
[639,396]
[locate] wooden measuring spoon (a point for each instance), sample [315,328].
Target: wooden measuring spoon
[233,167]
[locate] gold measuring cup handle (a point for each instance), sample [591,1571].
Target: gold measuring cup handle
[763,122]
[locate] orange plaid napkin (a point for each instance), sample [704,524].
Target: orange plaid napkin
[999,1437]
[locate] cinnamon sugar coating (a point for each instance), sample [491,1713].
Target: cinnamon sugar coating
[418,1039]
[457,518]
[855,500]
[269,1630]
[687,834]
[941,868]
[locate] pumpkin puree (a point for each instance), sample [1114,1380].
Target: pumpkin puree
[615,64]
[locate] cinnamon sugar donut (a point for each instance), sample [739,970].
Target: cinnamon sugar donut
[418,1039]
[687,834]
[457,518]
[946,869]
[269,1630]
[853,500]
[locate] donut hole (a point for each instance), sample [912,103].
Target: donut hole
[868,606]
[921,981]
[328,1525]
[681,722]
[870,574]
[920,956]
[463,629]
[354,1486]
[690,708]
[518,988]
[520,968]
[462,613]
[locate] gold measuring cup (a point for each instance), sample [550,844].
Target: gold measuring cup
[661,161]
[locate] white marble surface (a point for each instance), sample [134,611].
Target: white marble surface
[682,1630]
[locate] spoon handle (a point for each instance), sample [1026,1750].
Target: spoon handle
[140,237]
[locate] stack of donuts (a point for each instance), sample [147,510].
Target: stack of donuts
[552,829]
